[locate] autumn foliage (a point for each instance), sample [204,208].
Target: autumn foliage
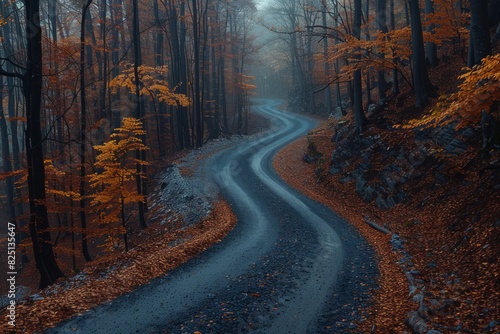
[479,92]
[114,181]
[154,84]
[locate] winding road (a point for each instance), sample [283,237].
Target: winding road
[290,266]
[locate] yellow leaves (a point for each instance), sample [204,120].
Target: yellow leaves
[130,126]
[152,84]
[114,183]
[479,91]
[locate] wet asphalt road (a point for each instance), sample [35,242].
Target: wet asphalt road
[290,265]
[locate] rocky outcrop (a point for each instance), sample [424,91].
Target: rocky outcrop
[380,170]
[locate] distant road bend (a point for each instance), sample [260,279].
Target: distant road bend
[290,266]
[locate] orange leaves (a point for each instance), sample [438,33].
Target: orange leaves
[446,23]
[373,54]
[118,171]
[153,84]
[478,92]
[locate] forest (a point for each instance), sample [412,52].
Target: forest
[100,97]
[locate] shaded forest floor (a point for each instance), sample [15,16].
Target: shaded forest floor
[437,194]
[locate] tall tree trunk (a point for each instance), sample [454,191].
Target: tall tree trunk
[479,32]
[207,83]
[198,112]
[382,26]
[222,77]
[420,76]
[83,134]
[32,88]
[328,93]
[52,13]
[338,95]
[359,115]
[139,113]
[7,37]
[395,79]
[7,164]
[179,72]
[368,80]
[158,58]
[116,32]
[407,12]
[116,18]
[430,47]
[105,59]
[215,83]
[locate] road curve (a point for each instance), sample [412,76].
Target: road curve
[290,266]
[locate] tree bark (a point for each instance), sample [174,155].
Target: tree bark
[7,38]
[420,76]
[215,81]
[7,164]
[159,61]
[83,134]
[179,74]
[479,32]
[382,26]
[198,112]
[430,47]
[105,59]
[32,88]
[139,113]
[338,95]
[328,93]
[359,115]
[395,79]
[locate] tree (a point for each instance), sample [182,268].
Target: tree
[430,47]
[328,93]
[139,111]
[7,162]
[114,183]
[8,38]
[395,74]
[479,42]
[421,80]
[178,29]
[382,26]
[479,92]
[83,132]
[359,115]
[198,111]
[32,89]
